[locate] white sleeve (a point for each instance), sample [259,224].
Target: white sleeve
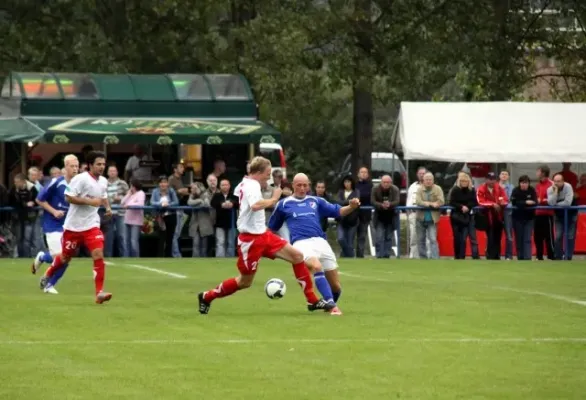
[75,188]
[411,195]
[130,164]
[105,189]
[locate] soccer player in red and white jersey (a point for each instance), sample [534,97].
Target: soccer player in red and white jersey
[86,193]
[256,241]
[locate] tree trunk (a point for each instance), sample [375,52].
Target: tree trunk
[363,117]
[362,129]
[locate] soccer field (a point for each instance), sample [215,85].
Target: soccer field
[410,330]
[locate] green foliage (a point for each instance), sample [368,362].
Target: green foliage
[308,61]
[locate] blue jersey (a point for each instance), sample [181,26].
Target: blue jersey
[303,216]
[54,194]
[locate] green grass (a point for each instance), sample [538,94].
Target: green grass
[403,334]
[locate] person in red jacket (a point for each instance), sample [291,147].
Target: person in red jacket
[569,176]
[543,229]
[494,198]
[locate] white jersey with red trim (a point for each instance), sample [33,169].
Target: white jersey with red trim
[82,218]
[249,193]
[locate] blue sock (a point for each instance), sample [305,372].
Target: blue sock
[57,275]
[337,295]
[323,286]
[46,258]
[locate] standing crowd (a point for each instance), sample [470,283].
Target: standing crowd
[500,208]
[209,211]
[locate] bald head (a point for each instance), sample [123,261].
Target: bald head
[300,185]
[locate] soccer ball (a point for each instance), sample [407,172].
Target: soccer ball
[275,288]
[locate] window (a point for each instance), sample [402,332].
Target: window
[229,87]
[191,87]
[13,91]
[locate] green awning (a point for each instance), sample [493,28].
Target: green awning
[137,131]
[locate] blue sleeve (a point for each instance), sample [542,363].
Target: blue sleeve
[327,209]
[174,200]
[155,198]
[47,191]
[277,218]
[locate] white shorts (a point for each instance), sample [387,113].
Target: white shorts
[54,242]
[319,248]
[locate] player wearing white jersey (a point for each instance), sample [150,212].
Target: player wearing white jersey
[255,241]
[86,193]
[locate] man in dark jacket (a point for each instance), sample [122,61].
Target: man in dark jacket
[225,205]
[22,197]
[364,186]
[385,197]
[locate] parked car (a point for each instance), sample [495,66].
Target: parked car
[382,164]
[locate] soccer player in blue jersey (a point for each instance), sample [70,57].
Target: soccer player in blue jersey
[302,214]
[52,200]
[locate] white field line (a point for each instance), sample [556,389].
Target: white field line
[536,293]
[291,341]
[145,268]
[504,288]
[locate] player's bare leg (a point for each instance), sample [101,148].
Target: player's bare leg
[99,275]
[322,283]
[226,288]
[295,257]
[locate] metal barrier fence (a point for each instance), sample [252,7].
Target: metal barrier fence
[400,209]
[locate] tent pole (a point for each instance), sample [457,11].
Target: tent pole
[2,163]
[408,236]
[23,158]
[106,150]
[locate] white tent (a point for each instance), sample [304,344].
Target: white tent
[494,132]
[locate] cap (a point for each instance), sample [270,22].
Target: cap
[491,176]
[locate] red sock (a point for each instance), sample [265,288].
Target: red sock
[304,278]
[57,263]
[226,288]
[99,273]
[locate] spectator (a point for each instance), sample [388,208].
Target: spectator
[226,206]
[524,199]
[133,219]
[35,176]
[287,189]
[267,193]
[320,191]
[176,182]
[411,215]
[543,230]
[493,198]
[431,196]
[201,226]
[347,225]
[219,170]
[7,239]
[164,197]
[569,176]
[580,192]
[364,187]
[22,197]
[385,197]
[561,194]
[83,167]
[137,165]
[115,226]
[277,178]
[462,198]
[508,216]
[55,172]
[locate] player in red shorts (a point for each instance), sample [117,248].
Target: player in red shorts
[86,193]
[256,241]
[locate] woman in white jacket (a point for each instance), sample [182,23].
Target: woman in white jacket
[414,252]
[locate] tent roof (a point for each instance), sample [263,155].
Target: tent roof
[493,132]
[136,131]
